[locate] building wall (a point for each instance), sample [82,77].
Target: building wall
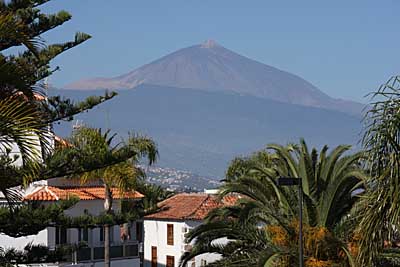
[135,262]
[93,207]
[20,242]
[47,236]
[155,234]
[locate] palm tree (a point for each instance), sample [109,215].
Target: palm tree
[22,126]
[153,194]
[329,181]
[22,129]
[124,175]
[380,219]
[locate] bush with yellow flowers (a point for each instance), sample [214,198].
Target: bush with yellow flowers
[321,248]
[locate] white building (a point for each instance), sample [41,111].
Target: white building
[164,231]
[125,241]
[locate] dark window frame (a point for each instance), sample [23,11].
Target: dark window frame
[170,234]
[170,261]
[154,256]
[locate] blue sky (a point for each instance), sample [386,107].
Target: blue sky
[345,48]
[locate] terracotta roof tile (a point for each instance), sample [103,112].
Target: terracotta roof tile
[61,142]
[194,206]
[52,193]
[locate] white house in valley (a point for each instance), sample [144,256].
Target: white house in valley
[164,231]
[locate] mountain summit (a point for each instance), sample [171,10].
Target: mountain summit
[211,67]
[209,44]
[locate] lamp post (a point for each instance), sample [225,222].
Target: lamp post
[290,181]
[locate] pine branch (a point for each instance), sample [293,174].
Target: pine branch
[32,217]
[58,109]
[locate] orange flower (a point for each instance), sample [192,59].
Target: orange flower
[313,262]
[278,234]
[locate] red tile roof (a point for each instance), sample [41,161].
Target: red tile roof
[36,96]
[52,193]
[193,206]
[61,142]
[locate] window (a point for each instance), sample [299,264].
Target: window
[153,256]
[170,234]
[139,231]
[101,230]
[61,235]
[111,229]
[170,261]
[83,234]
[203,263]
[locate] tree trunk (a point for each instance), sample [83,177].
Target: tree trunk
[107,245]
[107,208]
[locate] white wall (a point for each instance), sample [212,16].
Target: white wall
[94,207]
[155,234]
[47,236]
[20,242]
[114,263]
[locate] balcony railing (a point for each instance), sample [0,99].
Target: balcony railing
[128,249]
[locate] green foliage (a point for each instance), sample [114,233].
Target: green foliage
[380,216]
[58,108]
[23,24]
[153,194]
[19,125]
[31,218]
[113,162]
[91,155]
[94,146]
[389,258]
[31,254]
[328,180]
[26,115]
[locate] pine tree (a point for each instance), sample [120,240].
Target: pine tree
[27,113]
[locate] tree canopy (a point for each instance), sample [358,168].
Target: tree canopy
[263,228]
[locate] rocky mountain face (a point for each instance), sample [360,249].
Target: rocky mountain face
[211,67]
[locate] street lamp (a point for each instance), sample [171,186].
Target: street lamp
[290,181]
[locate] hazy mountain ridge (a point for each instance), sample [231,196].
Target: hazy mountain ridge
[202,131]
[211,67]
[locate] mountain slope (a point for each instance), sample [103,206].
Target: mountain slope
[202,131]
[212,67]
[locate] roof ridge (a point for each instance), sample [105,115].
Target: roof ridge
[54,193]
[88,193]
[167,199]
[34,191]
[198,207]
[46,188]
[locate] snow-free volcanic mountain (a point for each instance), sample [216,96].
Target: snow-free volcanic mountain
[211,67]
[205,105]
